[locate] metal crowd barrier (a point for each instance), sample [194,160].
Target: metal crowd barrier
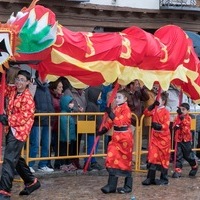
[86,127]
[142,148]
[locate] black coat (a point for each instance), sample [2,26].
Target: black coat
[43,103]
[92,106]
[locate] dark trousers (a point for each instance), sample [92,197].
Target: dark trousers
[12,160]
[173,142]
[184,150]
[198,145]
[76,147]
[54,142]
[64,150]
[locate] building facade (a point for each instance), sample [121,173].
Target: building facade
[116,15]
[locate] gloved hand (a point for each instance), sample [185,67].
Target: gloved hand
[4,119]
[108,109]
[111,115]
[152,106]
[177,127]
[156,126]
[181,117]
[179,112]
[103,131]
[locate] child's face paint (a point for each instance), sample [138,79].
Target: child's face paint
[120,99]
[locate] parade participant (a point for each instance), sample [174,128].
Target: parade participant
[19,118]
[160,140]
[183,138]
[119,152]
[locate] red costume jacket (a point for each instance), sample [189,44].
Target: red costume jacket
[183,134]
[120,148]
[20,111]
[160,141]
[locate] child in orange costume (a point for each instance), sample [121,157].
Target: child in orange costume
[160,142]
[120,148]
[183,138]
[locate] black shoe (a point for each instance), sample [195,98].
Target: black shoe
[96,165]
[193,171]
[176,175]
[161,182]
[123,190]
[163,177]
[30,188]
[128,184]
[149,181]
[151,174]
[111,186]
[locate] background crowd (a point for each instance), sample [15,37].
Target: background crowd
[57,135]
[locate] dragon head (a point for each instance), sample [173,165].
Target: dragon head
[36,29]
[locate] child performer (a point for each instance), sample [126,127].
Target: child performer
[183,139]
[160,142]
[119,152]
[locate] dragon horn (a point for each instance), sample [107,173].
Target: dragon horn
[33,3]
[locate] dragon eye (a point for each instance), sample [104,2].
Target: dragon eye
[5,48]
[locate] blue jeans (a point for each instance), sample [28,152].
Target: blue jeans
[90,143]
[39,137]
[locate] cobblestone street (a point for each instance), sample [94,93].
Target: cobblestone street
[79,186]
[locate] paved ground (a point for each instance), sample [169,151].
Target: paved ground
[78,186]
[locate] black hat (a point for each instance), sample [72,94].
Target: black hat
[25,73]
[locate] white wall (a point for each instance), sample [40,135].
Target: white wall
[143,4]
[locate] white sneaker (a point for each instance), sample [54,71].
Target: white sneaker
[45,169]
[32,170]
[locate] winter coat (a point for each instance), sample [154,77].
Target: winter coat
[67,124]
[92,106]
[56,104]
[43,103]
[79,100]
[135,103]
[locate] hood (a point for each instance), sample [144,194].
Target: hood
[64,102]
[41,85]
[93,94]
